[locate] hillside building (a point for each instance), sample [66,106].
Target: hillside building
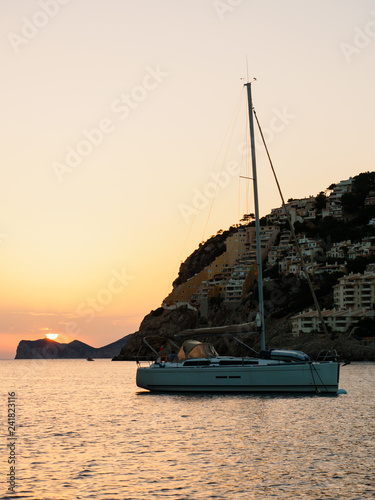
[354,299]
[355,291]
[231,274]
[338,321]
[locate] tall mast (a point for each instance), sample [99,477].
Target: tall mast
[257,221]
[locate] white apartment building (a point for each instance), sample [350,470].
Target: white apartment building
[234,287]
[338,321]
[355,291]
[285,238]
[341,188]
[363,249]
[272,256]
[339,250]
[310,247]
[354,298]
[331,268]
[298,210]
[297,268]
[333,205]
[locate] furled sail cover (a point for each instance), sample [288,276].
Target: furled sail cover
[192,349]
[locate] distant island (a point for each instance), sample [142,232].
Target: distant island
[50,349]
[216,285]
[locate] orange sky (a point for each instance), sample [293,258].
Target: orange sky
[112,117]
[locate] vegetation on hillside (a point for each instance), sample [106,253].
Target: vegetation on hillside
[355,214]
[329,229]
[203,256]
[285,295]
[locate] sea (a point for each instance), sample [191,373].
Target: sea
[84,430]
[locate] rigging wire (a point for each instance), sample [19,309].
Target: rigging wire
[321,319]
[232,125]
[196,212]
[245,154]
[313,369]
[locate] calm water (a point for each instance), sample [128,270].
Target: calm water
[84,430]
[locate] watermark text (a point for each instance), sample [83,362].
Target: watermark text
[31,26]
[11,442]
[121,107]
[362,38]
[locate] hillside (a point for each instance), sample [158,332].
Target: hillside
[203,256]
[286,294]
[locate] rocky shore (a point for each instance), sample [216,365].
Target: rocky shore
[162,325]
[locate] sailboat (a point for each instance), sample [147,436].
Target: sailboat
[197,367]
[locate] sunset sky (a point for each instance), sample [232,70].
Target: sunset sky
[112,119]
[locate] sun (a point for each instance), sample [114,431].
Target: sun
[51,336]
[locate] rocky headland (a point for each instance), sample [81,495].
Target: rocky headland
[163,325]
[285,294]
[50,349]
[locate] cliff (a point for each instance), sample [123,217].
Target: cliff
[285,295]
[203,256]
[49,349]
[158,326]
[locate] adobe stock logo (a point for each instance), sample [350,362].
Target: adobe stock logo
[122,108]
[39,20]
[362,39]
[224,7]
[88,309]
[219,181]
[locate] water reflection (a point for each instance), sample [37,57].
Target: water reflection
[90,433]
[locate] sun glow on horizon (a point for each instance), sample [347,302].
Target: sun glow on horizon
[51,336]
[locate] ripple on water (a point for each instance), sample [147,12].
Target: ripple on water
[82,434]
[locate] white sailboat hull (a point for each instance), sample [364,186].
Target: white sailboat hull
[276,370]
[277,377]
